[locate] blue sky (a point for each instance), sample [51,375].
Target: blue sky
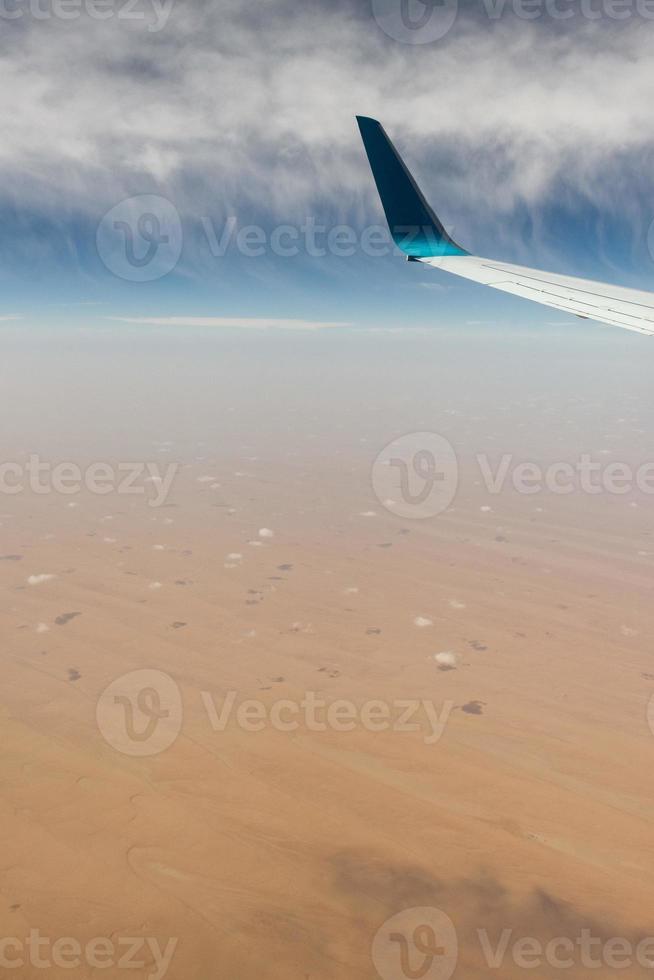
[532,137]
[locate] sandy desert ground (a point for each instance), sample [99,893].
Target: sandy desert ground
[522,799]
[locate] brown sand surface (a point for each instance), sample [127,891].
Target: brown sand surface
[279,854]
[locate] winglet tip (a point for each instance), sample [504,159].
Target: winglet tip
[414,227]
[367,121]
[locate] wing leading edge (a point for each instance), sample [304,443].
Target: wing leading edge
[419,233]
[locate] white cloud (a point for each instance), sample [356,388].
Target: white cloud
[246,323]
[230,102]
[447,659]
[38,579]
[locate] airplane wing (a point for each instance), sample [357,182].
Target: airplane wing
[420,235]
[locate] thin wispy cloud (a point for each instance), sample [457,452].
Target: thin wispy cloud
[240,323]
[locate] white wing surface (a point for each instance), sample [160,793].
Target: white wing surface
[628,308]
[417,231]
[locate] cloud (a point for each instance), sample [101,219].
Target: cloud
[248,109]
[447,660]
[38,579]
[247,93]
[245,323]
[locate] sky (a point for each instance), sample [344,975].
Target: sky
[166,163]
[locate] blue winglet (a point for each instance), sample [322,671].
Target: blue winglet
[415,228]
